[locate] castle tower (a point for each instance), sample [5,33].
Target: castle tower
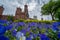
[22,15]
[26,11]
[1,10]
[18,11]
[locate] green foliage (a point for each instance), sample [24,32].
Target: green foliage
[15,20]
[51,8]
[46,21]
[58,14]
[48,8]
[19,28]
[27,21]
[37,38]
[37,21]
[8,34]
[27,34]
[5,24]
[10,18]
[35,31]
[43,30]
[52,35]
[20,20]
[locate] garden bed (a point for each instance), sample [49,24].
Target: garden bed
[30,30]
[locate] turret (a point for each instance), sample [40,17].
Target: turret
[18,11]
[26,11]
[1,10]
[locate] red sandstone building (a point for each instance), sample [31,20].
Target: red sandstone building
[18,15]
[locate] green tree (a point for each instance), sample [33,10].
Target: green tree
[50,8]
[57,10]
[58,14]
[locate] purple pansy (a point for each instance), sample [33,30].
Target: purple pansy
[58,35]
[2,30]
[44,37]
[3,21]
[23,31]
[14,32]
[32,24]
[9,27]
[4,38]
[28,38]
[21,24]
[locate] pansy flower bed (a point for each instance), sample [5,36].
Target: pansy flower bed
[11,30]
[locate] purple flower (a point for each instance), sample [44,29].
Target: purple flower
[23,31]
[44,37]
[14,32]
[55,27]
[4,38]
[56,23]
[31,35]
[21,24]
[9,27]
[28,38]
[19,34]
[3,21]
[2,30]
[39,25]
[47,26]
[28,29]
[32,24]
[58,35]
[35,35]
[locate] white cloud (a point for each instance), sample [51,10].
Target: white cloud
[32,5]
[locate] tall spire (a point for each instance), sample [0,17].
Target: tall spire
[26,11]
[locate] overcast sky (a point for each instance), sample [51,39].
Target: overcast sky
[34,7]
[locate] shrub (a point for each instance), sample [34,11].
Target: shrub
[10,18]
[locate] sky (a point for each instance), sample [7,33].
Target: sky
[34,7]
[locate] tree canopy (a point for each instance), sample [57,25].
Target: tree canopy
[51,8]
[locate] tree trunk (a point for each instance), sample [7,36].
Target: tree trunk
[52,16]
